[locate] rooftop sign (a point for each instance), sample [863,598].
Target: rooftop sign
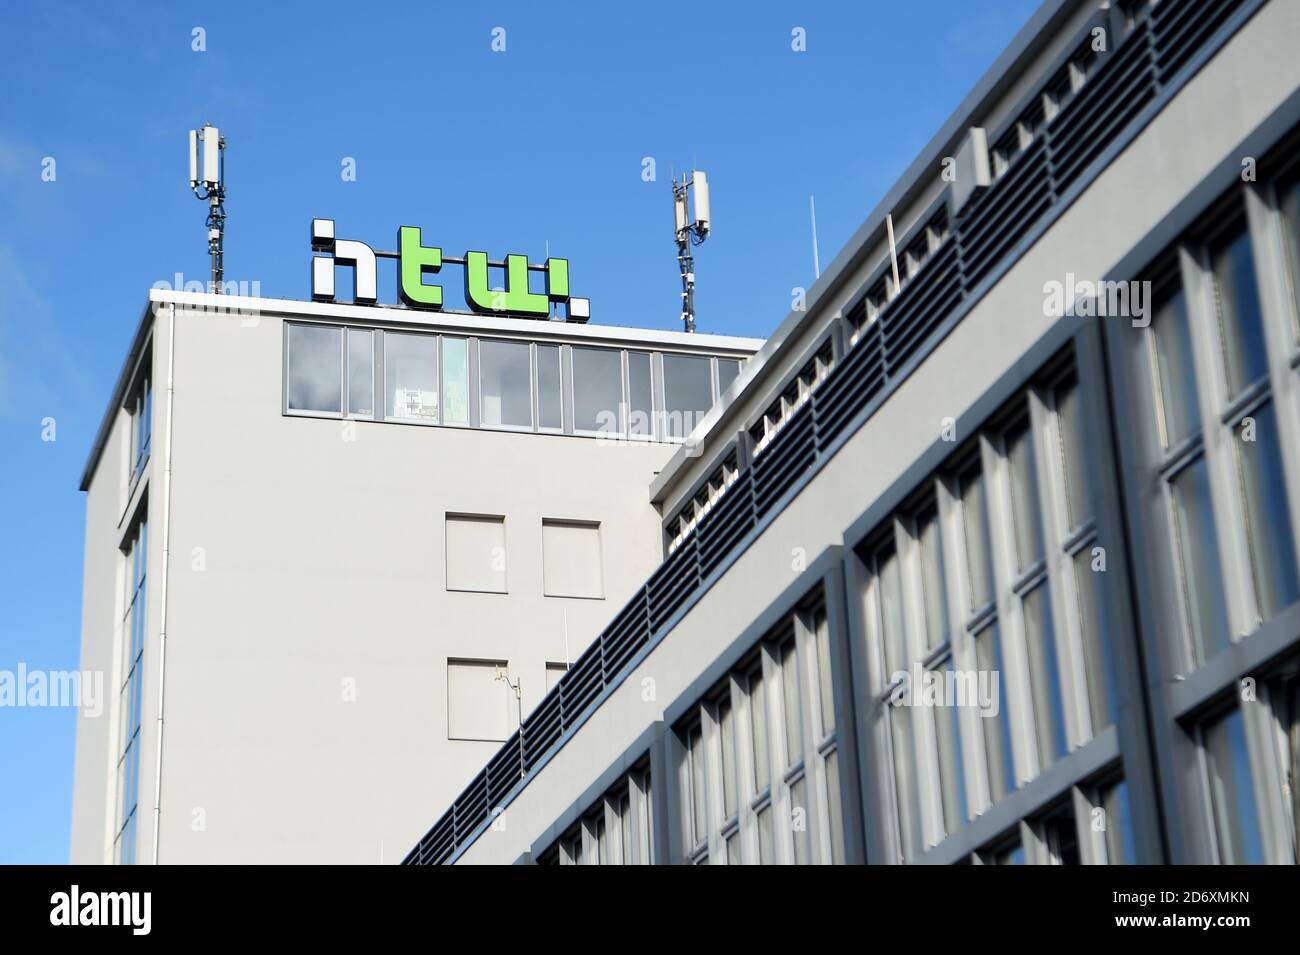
[417,260]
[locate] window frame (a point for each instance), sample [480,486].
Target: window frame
[129,696]
[786,771]
[1252,209]
[477,374]
[935,507]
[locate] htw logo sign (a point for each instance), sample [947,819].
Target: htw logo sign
[417,260]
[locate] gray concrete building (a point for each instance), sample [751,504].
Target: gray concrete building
[327,543]
[990,554]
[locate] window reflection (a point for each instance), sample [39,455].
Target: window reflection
[505,396]
[688,393]
[1044,677]
[315,368]
[995,728]
[548,387]
[361,372]
[1268,520]
[1174,368]
[1198,547]
[640,410]
[597,390]
[979,559]
[411,376]
[1241,322]
[1025,511]
[455,381]
[1118,818]
[1232,791]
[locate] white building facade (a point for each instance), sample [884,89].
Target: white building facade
[327,543]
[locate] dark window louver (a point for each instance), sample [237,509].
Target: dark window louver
[1125,81]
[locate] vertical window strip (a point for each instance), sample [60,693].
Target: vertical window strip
[1039,528]
[1080,579]
[129,697]
[617,829]
[759,772]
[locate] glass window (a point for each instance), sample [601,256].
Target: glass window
[1172,339]
[597,390]
[995,727]
[315,369]
[1232,791]
[610,828]
[573,848]
[1062,837]
[506,396]
[826,695]
[766,839]
[799,822]
[141,410]
[791,699]
[1240,320]
[979,558]
[892,634]
[727,734]
[1044,676]
[1290,200]
[640,411]
[728,370]
[758,728]
[625,828]
[952,785]
[548,387]
[1120,848]
[130,696]
[905,781]
[699,816]
[1198,548]
[932,580]
[733,848]
[1268,520]
[411,376]
[1012,854]
[835,811]
[1290,694]
[1024,497]
[361,372]
[688,393]
[1096,651]
[1073,457]
[455,381]
[649,802]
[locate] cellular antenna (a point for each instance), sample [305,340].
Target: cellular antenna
[689,231]
[208,181]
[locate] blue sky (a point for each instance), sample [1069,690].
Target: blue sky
[502,151]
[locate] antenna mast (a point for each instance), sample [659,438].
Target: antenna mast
[208,181]
[688,232]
